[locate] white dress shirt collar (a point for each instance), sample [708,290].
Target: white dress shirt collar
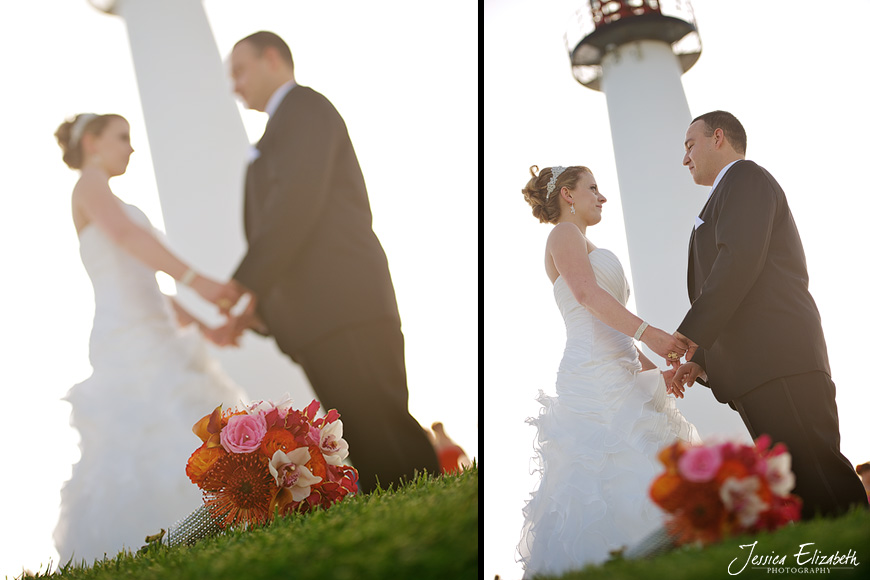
[278,96]
[721,175]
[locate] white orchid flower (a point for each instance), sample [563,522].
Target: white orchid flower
[779,474]
[263,407]
[740,496]
[333,447]
[290,472]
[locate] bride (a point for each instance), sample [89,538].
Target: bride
[152,379]
[598,437]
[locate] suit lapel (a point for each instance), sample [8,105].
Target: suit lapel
[690,275]
[254,176]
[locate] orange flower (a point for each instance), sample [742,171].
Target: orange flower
[702,514]
[731,468]
[240,489]
[231,412]
[670,455]
[277,439]
[201,461]
[209,428]
[317,465]
[666,491]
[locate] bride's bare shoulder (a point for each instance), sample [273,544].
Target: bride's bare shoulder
[565,232]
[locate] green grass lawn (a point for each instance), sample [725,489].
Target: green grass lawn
[425,529]
[828,536]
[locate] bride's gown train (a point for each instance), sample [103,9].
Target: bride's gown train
[151,382]
[597,441]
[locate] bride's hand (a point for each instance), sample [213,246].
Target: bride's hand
[224,296]
[664,344]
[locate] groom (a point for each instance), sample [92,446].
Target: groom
[757,331]
[317,271]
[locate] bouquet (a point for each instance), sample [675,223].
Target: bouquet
[267,458]
[714,491]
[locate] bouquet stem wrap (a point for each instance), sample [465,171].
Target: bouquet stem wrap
[201,523]
[656,543]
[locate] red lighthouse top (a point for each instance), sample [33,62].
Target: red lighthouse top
[603,13]
[603,25]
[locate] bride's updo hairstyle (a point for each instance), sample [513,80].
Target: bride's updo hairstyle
[69,135]
[546,208]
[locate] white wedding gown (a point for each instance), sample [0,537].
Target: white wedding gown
[597,441]
[151,382]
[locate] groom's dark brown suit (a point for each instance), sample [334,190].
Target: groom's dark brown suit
[760,334]
[323,284]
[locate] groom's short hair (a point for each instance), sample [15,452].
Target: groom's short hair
[264,39]
[734,131]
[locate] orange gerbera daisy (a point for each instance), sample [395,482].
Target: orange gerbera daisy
[240,489]
[702,514]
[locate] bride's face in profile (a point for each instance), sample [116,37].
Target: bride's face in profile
[588,201]
[111,149]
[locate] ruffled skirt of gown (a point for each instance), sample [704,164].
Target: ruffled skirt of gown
[597,459]
[135,424]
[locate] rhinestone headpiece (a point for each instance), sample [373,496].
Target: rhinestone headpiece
[78,128]
[551,185]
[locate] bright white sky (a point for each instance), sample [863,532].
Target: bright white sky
[403,76]
[794,73]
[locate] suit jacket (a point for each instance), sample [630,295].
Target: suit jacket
[752,314]
[313,261]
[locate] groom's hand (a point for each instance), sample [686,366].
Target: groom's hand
[684,376]
[693,346]
[248,318]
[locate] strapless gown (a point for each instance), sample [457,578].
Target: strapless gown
[151,382]
[597,441]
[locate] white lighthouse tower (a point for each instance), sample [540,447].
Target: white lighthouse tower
[199,149]
[635,52]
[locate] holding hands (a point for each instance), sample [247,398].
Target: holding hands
[681,376]
[224,296]
[668,346]
[230,298]
[239,319]
[673,347]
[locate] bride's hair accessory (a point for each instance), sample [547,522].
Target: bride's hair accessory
[640,329]
[551,185]
[78,128]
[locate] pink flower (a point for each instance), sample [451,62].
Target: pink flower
[700,464]
[243,433]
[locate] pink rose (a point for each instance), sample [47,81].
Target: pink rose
[700,464]
[243,433]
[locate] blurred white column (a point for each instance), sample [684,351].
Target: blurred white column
[200,149]
[649,116]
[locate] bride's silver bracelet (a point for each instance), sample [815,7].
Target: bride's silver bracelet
[640,329]
[188,277]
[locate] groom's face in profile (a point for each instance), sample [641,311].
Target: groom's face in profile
[250,78]
[700,154]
